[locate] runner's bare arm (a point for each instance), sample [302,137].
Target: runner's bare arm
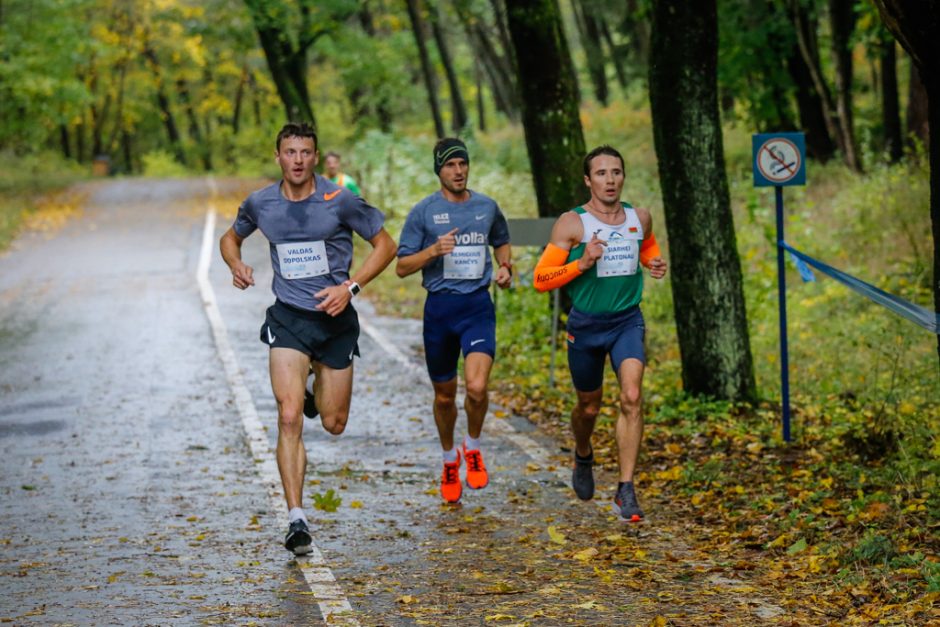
[503,256]
[230,245]
[409,264]
[551,271]
[336,297]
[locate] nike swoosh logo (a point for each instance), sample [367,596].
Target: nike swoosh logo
[475,342]
[481,217]
[331,195]
[351,354]
[270,337]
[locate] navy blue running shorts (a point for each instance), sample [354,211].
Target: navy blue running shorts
[328,340]
[455,322]
[592,337]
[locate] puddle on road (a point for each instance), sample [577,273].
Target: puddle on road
[38,427]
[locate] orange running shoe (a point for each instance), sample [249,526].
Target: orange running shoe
[450,481]
[477,477]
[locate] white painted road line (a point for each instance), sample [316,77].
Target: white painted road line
[333,604]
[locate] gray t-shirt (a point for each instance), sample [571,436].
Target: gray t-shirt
[311,239]
[481,225]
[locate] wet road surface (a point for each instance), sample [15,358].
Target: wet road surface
[131,494]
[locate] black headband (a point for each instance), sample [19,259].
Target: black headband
[449,149]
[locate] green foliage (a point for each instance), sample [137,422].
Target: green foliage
[161,163]
[328,501]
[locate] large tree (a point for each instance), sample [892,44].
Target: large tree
[286,55]
[550,103]
[707,288]
[916,24]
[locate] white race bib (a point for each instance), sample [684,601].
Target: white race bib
[621,258]
[299,260]
[465,262]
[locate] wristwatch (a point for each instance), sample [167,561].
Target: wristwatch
[352,286]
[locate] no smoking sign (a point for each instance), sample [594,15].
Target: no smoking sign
[778,159]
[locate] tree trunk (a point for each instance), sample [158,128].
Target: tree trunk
[916,25]
[917,125]
[286,62]
[163,101]
[591,44]
[615,57]
[805,27]
[427,70]
[550,113]
[499,69]
[842,21]
[890,106]
[64,141]
[707,286]
[237,101]
[195,133]
[459,116]
[481,110]
[819,144]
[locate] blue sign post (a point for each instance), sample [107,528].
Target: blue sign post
[779,161]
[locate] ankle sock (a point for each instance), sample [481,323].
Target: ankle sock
[471,444]
[450,456]
[297,513]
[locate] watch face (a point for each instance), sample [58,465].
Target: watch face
[354,289]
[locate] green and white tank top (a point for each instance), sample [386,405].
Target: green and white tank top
[614,283]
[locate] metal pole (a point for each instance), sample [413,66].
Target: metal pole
[782,292]
[556,306]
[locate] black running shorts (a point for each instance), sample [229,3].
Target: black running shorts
[328,340]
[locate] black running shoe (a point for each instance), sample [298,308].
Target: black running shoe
[298,539]
[310,403]
[582,476]
[626,502]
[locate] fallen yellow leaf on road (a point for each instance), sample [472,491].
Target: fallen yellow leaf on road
[586,554]
[556,536]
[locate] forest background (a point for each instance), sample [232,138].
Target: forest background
[183,88]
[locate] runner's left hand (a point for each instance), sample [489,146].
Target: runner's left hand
[657,267]
[335,298]
[503,277]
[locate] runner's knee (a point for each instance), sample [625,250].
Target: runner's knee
[290,419]
[443,398]
[630,400]
[334,422]
[588,409]
[476,391]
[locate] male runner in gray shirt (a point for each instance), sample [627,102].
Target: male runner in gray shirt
[309,222]
[447,236]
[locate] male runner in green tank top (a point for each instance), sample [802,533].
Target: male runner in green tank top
[333,173]
[595,252]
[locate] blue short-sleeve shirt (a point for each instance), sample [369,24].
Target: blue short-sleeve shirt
[480,224]
[311,239]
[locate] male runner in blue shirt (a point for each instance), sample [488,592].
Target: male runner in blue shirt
[447,237]
[309,223]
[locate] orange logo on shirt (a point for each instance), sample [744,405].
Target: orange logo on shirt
[331,195]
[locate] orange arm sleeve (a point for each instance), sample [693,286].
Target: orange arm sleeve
[551,271]
[649,249]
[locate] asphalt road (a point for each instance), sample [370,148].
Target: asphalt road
[136,434]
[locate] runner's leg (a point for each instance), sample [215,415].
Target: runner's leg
[583,418]
[333,390]
[445,411]
[477,368]
[289,369]
[630,421]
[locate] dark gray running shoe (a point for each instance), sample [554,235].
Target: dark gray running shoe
[298,539]
[582,476]
[625,501]
[310,403]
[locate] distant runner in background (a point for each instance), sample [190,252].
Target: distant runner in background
[595,253]
[333,165]
[447,237]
